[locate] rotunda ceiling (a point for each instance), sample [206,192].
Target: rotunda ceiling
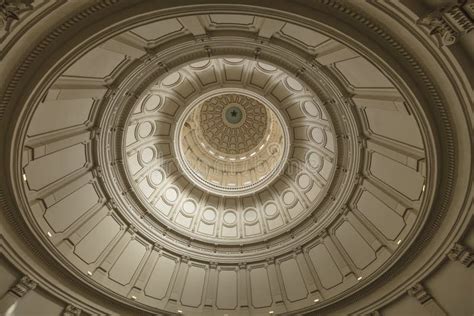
[194,160]
[189,175]
[232,124]
[231,144]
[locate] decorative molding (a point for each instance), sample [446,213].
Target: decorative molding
[419,293]
[72,310]
[11,10]
[462,254]
[374,313]
[200,244]
[24,286]
[424,298]
[449,23]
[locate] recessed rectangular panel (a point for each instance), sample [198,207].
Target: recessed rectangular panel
[253,229]
[185,88]
[259,79]
[313,193]
[146,188]
[325,267]
[361,73]
[400,127]
[126,265]
[193,287]
[131,138]
[160,278]
[295,287]
[326,169]
[280,92]
[55,115]
[295,210]
[53,167]
[121,45]
[332,52]
[231,19]
[205,228]
[227,289]
[233,73]
[133,164]
[62,214]
[294,111]
[300,133]
[82,92]
[95,242]
[169,107]
[260,288]
[154,31]
[229,231]
[183,220]
[97,63]
[162,128]
[303,35]
[400,177]
[355,246]
[275,222]
[163,207]
[207,76]
[38,302]
[384,218]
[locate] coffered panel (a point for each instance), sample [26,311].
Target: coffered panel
[60,114]
[98,63]
[295,288]
[194,286]
[96,240]
[161,278]
[260,287]
[66,211]
[227,289]
[127,263]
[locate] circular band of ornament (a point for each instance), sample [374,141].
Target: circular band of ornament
[161,210]
[254,107]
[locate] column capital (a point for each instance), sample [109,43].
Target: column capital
[462,254]
[72,310]
[23,286]
[448,23]
[419,292]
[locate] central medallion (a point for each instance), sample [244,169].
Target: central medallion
[231,143]
[233,115]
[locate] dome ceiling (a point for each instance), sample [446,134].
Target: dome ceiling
[189,167]
[233,124]
[175,178]
[210,150]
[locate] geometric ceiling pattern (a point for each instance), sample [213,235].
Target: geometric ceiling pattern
[265,210]
[226,163]
[197,139]
[345,225]
[240,120]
